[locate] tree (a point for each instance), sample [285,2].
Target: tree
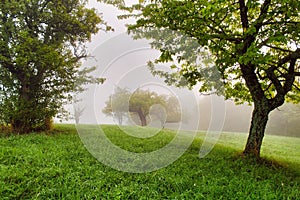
[78,111]
[249,50]
[41,45]
[173,110]
[170,112]
[117,104]
[143,103]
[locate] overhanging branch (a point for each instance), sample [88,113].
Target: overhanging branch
[278,48]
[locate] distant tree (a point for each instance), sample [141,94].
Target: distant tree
[169,112]
[41,45]
[285,121]
[117,104]
[141,101]
[78,111]
[173,110]
[245,50]
[123,103]
[158,112]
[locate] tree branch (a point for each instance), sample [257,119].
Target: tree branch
[296,87]
[244,15]
[289,57]
[281,22]
[278,48]
[263,11]
[290,77]
[44,5]
[274,80]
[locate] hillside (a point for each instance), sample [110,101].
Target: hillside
[56,165]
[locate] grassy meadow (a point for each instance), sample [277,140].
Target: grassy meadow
[56,165]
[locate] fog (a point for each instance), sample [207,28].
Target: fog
[122,61]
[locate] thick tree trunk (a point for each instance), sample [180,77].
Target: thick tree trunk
[21,119]
[142,118]
[28,116]
[257,131]
[26,121]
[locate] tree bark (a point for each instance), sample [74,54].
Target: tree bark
[256,134]
[142,118]
[21,122]
[28,116]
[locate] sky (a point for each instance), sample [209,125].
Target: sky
[122,61]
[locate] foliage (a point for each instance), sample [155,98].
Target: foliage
[40,166]
[141,101]
[117,104]
[245,50]
[41,45]
[224,41]
[144,103]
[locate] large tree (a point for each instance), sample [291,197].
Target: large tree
[41,45]
[249,50]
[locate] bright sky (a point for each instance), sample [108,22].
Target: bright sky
[123,62]
[119,59]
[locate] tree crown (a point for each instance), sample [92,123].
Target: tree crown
[210,42]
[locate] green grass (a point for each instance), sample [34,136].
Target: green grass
[57,166]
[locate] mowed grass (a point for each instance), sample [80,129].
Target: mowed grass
[56,165]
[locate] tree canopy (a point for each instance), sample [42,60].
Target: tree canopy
[143,103]
[117,104]
[245,50]
[41,45]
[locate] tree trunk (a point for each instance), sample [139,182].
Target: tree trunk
[28,116]
[142,118]
[257,131]
[120,120]
[21,122]
[162,123]
[77,119]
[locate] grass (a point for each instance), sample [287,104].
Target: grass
[57,166]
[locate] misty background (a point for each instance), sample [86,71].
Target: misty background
[123,62]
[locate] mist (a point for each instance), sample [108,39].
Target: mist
[123,62]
